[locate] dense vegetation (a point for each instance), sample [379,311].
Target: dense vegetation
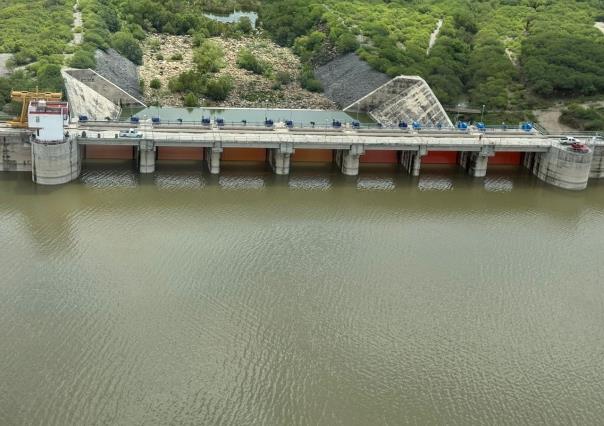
[487,52]
[506,54]
[35,29]
[201,81]
[36,32]
[583,118]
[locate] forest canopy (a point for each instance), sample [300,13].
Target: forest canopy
[505,54]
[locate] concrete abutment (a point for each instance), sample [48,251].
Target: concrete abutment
[54,163]
[563,167]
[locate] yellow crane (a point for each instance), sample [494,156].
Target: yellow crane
[25,98]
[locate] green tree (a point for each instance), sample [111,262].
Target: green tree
[219,88]
[82,59]
[208,57]
[190,100]
[245,25]
[127,45]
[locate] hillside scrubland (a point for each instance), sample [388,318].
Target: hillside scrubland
[509,55]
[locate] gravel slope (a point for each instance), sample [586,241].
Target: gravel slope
[119,70]
[348,78]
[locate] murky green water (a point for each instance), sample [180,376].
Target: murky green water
[182,298]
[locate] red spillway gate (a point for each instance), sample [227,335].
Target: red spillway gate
[177,153]
[109,152]
[380,157]
[440,157]
[506,159]
[312,156]
[244,154]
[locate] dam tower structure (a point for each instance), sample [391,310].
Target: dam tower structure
[55,157]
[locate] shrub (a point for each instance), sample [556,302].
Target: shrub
[283,77]
[347,43]
[312,85]
[218,88]
[154,44]
[95,38]
[83,59]
[159,57]
[49,76]
[176,57]
[155,84]
[199,37]
[248,61]
[309,82]
[208,57]
[245,25]
[188,81]
[190,100]
[127,45]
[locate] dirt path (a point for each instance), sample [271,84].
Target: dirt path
[77,37]
[77,23]
[434,35]
[600,26]
[549,119]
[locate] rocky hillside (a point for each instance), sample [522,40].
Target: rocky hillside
[166,56]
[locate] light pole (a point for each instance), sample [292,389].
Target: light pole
[482,115]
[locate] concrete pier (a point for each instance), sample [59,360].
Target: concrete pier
[146,157]
[212,157]
[476,163]
[597,163]
[412,160]
[348,159]
[280,159]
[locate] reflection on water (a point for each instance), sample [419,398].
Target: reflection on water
[248,298]
[234,17]
[100,177]
[321,183]
[241,182]
[172,182]
[429,182]
[375,183]
[498,184]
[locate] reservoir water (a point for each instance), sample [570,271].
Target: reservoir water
[234,17]
[313,299]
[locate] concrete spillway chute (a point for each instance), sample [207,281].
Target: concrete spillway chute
[403,99]
[94,96]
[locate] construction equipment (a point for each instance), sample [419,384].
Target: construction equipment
[25,98]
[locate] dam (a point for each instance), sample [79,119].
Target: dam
[401,123]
